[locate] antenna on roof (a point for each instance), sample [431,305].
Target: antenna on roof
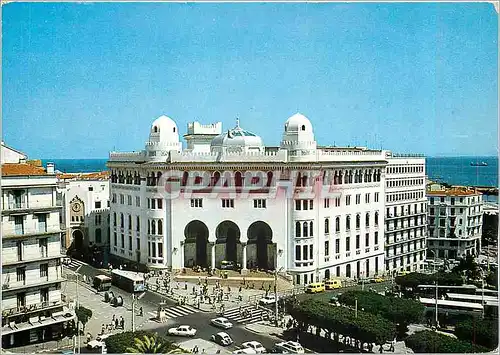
[237,122]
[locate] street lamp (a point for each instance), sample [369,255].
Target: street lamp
[276,295]
[436,282]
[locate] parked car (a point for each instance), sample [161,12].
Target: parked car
[98,342]
[254,345]
[270,299]
[221,322]
[288,347]
[222,339]
[245,351]
[183,331]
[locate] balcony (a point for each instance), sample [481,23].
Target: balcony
[42,306]
[33,259]
[399,215]
[25,207]
[22,285]
[13,233]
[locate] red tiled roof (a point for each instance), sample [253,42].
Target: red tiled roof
[22,169]
[100,175]
[454,191]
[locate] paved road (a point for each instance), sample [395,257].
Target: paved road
[201,321]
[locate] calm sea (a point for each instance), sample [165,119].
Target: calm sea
[452,170]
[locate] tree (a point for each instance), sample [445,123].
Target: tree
[483,332]
[492,278]
[469,267]
[152,345]
[122,342]
[433,342]
[362,326]
[398,310]
[83,315]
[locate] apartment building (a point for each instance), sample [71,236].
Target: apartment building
[406,213]
[455,222]
[32,307]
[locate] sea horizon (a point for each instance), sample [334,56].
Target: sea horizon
[454,170]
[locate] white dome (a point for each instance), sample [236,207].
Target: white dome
[164,130]
[298,123]
[237,139]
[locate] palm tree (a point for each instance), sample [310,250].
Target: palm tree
[152,345]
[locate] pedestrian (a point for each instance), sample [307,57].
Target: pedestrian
[140,311]
[103,329]
[116,323]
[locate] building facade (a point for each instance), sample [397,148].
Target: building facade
[32,307]
[85,199]
[406,214]
[310,211]
[455,222]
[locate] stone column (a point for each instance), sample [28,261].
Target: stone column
[182,254]
[244,265]
[212,256]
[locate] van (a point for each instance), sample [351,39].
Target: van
[315,287]
[333,284]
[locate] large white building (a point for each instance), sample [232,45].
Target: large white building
[310,211]
[455,222]
[406,213]
[32,308]
[85,199]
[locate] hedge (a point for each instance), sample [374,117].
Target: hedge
[433,342]
[118,343]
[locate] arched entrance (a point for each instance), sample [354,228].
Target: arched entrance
[327,274]
[262,252]
[228,242]
[195,246]
[78,240]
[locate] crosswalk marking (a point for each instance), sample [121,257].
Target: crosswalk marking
[74,264]
[177,311]
[254,316]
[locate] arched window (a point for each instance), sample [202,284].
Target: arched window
[339,179]
[346,177]
[155,129]
[358,221]
[137,223]
[114,219]
[297,230]
[129,221]
[376,218]
[348,270]
[337,224]
[347,223]
[160,227]
[158,177]
[350,177]
[304,181]
[185,177]
[304,230]
[367,220]
[173,129]
[153,227]
[311,229]
[122,220]
[303,127]
[238,179]
[269,178]
[327,225]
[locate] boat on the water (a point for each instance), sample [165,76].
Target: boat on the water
[483,163]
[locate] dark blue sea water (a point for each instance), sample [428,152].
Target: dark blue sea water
[452,170]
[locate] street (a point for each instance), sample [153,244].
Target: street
[176,314]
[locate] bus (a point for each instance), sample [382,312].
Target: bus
[430,290]
[487,292]
[488,300]
[102,283]
[452,307]
[128,280]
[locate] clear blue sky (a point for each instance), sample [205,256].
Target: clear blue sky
[80,80]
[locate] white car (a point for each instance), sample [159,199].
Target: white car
[270,299]
[254,345]
[183,331]
[289,347]
[222,339]
[221,322]
[98,342]
[245,351]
